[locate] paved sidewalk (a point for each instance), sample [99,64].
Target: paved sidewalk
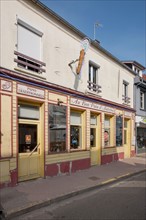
[34,194]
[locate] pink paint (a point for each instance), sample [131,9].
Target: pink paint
[133,153]
[51,170]
[106,159]
[14,177]
[64,167]
[80,164]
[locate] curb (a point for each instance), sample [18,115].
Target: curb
[40,204]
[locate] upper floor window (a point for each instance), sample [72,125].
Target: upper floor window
[125,88]
[29,40]
[29,47]
[125,92]
[93,78]
[141,99]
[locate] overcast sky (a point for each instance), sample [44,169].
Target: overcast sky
[123,24]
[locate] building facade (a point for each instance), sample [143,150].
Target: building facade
[139,102]
[66,103]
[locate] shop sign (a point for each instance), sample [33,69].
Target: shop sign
[6,85]
[92,105]
[26,90]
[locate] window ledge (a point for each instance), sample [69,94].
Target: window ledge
[109,147]
[26,73]
[53,153]
[89,92]
[77,150]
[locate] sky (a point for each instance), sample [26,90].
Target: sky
[122,29]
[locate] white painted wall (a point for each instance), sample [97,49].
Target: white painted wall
[59,47]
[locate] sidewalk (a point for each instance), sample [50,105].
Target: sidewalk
[34,194]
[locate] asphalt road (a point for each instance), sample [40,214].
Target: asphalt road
[124,200]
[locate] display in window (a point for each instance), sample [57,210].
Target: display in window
[75,135]
[119,131]
[92,137]
[57,128]
[27,137]
[106,138]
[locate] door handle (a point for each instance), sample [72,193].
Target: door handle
[34,149]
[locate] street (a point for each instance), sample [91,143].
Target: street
[123,200]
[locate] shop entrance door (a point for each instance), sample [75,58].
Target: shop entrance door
[95,139]
[127,138]
[29,150]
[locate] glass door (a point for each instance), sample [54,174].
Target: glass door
[27,138]
[28,142]
[95,139]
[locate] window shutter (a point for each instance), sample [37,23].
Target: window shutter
[29,43]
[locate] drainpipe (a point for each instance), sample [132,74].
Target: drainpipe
[136,124]
[136,144]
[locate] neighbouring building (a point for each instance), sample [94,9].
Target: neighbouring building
[66,103]
[139,102]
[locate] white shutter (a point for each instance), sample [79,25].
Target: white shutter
[29,112]
[107,123]
[29,43]
[93,120]
[75,118]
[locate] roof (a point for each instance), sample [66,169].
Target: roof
[94,43]
[141,67]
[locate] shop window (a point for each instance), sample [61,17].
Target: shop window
[57,128]
[93,130]
[125,131]
[119,131]
[76,130]
[108,131]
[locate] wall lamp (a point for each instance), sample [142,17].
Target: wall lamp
[59,102]
[120,115]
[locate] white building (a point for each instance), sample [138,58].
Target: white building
[65,105]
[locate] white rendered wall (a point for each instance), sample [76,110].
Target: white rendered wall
[59,47]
